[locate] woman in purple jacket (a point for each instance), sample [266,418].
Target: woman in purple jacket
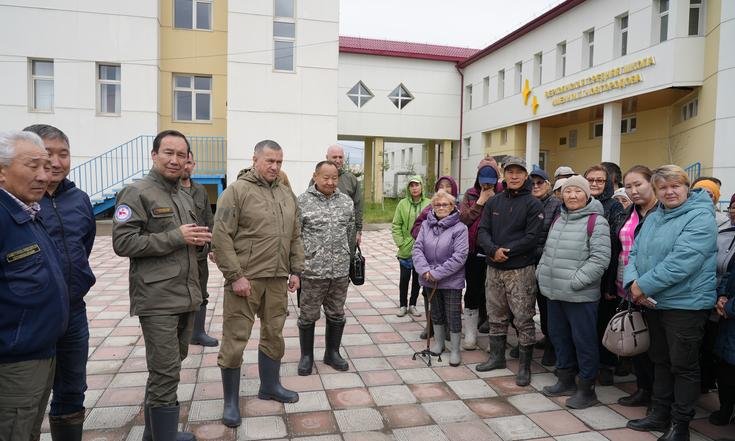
[439,256]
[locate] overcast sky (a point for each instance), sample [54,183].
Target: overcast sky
[465,23]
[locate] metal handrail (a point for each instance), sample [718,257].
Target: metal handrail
[693,170]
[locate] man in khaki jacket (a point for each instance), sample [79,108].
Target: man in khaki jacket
[155,227]
[257,246]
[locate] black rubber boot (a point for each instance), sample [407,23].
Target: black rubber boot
[525,354]
[723,416]
[198,336]
[333,339]
[165,424]
[484,327]
[231,387]
[584,397]
[549,357]
[678,431]
[658,420]
[147,434]
[306,340]
[641,397]
[565,385]
[515,351]
[67,427]
[496,360]
[270,381]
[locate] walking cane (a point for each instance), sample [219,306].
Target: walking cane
[426,353]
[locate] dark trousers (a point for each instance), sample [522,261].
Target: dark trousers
[707,361]
[408,274]
[574,336]
[446,306]
[543,310]
[676,336]
[24,390]
[605,312]
[203,279]
[72,350]
[643,369]
[475,270]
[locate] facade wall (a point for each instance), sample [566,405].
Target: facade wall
[402,158]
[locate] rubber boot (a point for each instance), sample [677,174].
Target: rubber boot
[147,431]
[423,335]
[525,354]
[270,381]
[306,340]
[515,351]
[470,329]
[585,395]
[333,339]
[437,347]
[198,336]
[484,327]
[496,360]
[678,431]
[723,416]
[454,356]
[67,427]
[640,397]
[565,385]
[659,420]
[165,424]
[231,387]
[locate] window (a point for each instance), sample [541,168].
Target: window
[596,131]
[360,94]
[485,90]
[468,97]
[622,39]
[501,84]
[284,35]
[588,49]
[400,97]
[696,17]
[466,149]
[690,109]
[403,158]
[424,155]
[108,89]
[410,156]
[42,85]
[563,140]
[392,160]
[573,138]
[192,98]
[504,136]
[663,20]
[538,60]
[193,14]
[518,83]
[628,124]
[561,59]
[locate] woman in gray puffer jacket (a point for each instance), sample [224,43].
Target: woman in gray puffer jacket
[576,254]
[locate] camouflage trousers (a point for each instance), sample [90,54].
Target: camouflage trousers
[330,293]
[512,293]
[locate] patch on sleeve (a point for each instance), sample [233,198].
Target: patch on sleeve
[23,253]
[123,213]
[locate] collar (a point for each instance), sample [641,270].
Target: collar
[171,186]
[31,209]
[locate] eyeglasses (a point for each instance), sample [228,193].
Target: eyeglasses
[538,183]
[596,180]
[441,205]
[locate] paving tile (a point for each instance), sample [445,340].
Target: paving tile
[420,375]
[531,403]
[371,364]
[405,415]
[211,431]
[491,374]
[349,398]
[389,395]
[449,411]
[396,349]
[628,435]
[265,427]
[515,427]
[370,350]
[257,407]
[103,366]
[469,431]
[110,417]
[704,427]
[491,407]
[309,402]
[367,436]
[452,373]
[424,433]
[631,413]
[558,422]
[587,436]
[508,386]
[122,396]
[302,384]
[467,389]
[129,379]
[609,394]
[380,378]
[359,420]
[341,380]
[311,423]
[99,381]
[408,362]
[429,392]
[206,410]
[208,391]
[356,339]
[600,417]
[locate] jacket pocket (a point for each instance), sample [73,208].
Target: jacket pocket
[162,272]
[27,276]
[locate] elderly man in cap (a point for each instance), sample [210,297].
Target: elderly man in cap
[509,233]
[34,297]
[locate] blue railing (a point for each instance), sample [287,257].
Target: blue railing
[694,171]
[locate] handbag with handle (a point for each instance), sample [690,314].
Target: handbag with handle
[627,333]
[357,267]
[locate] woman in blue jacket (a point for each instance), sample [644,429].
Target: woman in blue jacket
[671,270]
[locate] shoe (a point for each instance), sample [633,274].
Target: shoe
[401,311]
[437,346]
[270,381]
[306,341]
[165,424]
[549,357]
[605,377]
[66,427]
[496,360]
[470,329]
[514,351]
[454,343]
[678,431]
[413,311]
[333,339]
[584,397]
[641,397]
[564,386]
[231,388]
[657,420]
[198,336]
[523,377]
[484,327]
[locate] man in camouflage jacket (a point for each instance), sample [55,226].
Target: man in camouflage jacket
[327,219]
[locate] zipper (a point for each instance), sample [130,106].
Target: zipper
[63,240]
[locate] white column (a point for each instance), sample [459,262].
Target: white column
[611,132]
[533,143]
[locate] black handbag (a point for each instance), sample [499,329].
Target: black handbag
[357,267]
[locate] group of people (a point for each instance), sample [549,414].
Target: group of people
[580,248]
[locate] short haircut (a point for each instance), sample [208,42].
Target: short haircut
[671,173]
[321,164]
[165,133]
[597,167]
[613,171]
[441,194]
[8,141]
[46,131]
[641,170]
[266,144]
[707,178]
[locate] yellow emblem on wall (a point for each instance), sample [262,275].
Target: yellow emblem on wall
[526,91]
[534,104]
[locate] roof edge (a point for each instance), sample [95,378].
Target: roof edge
[403,49]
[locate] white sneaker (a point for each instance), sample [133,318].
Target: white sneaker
[413,311]
[401,311]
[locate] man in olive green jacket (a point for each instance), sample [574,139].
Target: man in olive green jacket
[155,227]
[257,246]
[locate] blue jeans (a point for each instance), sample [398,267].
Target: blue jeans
[576,349]
[72,350]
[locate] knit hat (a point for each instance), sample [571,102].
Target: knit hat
[621,193]
[559,183]
[487,175]
[712,187]
[564,171]
[577,181]
[487,160]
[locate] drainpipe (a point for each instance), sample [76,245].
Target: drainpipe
[461,116]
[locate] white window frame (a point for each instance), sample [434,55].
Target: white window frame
[663,31]
[699,6]
[102,82]
[485,90]
[410,157]
[392,164]
[468,97]
[362,99]
[622,22]
[403,158]
[403,100]
[192,89]
[467,147]
[501,84]
[518,83]
[282,39]
[503,136]
[194,17]
[628,122]
[561,60]
[588,49]
[32,78]
[538,62]
[593,129]
[690,109]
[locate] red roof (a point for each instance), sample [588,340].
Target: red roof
[387,48]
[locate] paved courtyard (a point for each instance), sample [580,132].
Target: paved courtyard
[386,395]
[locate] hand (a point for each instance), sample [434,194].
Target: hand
[358,237]
[501,255]
[294,283]
[428,277]
[212,257]
[485,195]
[241,287]
[636,293]
[720,306]
[195,235]
[609,296]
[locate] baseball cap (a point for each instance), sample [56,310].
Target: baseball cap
[540,173]
[514,160]
[564,171]
[487,175]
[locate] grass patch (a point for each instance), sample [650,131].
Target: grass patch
[379,213]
